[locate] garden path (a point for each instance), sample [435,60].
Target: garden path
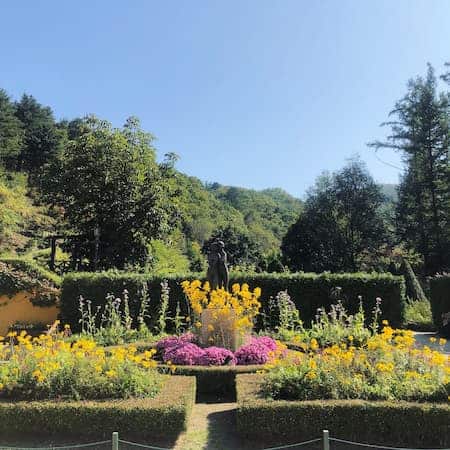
[212,426]
[424,339]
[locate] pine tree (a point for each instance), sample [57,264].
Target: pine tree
[11,133]
[420,131]
[42,137]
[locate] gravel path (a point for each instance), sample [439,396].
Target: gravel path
[424,339]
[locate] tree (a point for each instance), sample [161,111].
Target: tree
[11,133]
[341,220]
[114,194]
[42,138]
[420,131]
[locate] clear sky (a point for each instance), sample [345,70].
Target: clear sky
[254,93]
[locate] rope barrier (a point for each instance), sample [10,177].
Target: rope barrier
[89,444]
[293,445]
[150,447]
[142,445]
[360,444]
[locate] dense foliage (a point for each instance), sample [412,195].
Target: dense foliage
[18,275]
[132,211]
[420,130]
[342,219]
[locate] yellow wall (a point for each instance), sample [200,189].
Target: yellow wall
[19,309]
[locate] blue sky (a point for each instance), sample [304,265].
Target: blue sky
[252,93]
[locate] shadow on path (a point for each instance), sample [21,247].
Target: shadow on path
[212,426]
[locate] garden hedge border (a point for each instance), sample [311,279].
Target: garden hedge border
[309,291]
[162,417]
[277,422]
[214,380]
[440,299]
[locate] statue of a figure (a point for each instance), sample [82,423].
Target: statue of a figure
[217,265]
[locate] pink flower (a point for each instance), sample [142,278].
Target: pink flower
[186,354]
[217,356]
[257,351]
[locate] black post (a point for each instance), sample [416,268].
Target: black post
[52,253]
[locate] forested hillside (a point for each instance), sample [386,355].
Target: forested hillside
[103,192]
[43,161]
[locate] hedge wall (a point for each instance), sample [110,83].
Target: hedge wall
[398,424]
[308,291]
[161,418]
[440,301]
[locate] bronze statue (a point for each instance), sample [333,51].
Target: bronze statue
[217,265]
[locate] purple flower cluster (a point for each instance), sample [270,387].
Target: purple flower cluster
[174,341]
[257,351]
[182,351]
[217,356]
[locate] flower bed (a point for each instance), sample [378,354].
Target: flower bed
[48,367]
[184,351]
[388,367]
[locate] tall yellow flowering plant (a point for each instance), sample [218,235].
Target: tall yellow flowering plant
[220,317]
[48,367]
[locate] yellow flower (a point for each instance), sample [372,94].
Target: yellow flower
[433,339]
[442,341]
[110,373]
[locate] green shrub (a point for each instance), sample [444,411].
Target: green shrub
[440,301]
[385,423]
[308,291]
[24,275]
[418,315]
[162,417]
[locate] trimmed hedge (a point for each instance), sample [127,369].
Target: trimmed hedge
[440,301]
[309,291]
[214,380]
[386,423]
[161,418]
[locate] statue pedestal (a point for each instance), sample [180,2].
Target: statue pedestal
[219,329]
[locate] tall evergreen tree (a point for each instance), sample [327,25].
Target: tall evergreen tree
[41,138]
[11,133]
[420,131]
